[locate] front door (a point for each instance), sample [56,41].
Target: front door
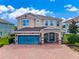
[49,37]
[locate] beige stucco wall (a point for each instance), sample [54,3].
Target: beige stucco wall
[19,24]
[42,32]
[38,24]
[41,23]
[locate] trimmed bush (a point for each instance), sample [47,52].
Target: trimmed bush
[71,38]
[1,44]
[11,39]
[4,41]
[65,40]
[7,40]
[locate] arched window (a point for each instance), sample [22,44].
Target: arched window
[51,22]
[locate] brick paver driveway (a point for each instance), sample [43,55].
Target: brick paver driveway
[47,51]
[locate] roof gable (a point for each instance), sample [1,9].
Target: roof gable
[41,17]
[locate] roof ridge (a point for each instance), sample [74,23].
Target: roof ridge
[39,16]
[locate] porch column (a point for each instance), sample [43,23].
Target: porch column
[42,38]
[59,40]
[16,39]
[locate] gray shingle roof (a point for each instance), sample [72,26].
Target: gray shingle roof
[75,19]
[31,29]
[39,16]
[5,21]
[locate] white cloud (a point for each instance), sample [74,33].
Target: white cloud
[4,8]
[11,8]
[64,19]
[69,18]
[5,14]
[70,7]
[18,12]
[52,0]
[22,11]
[39,12]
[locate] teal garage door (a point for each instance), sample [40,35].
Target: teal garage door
[28,39]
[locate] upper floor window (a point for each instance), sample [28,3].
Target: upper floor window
[64,26]
[51,22]
[0,33]
[46,23]
[26,22]
[58,23]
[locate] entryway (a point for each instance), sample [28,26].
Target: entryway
[50,37]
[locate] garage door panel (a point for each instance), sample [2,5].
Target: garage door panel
[29,39]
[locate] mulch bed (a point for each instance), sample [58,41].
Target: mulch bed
[73,47]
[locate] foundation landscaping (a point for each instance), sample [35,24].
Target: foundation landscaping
[7,40]
[72,41]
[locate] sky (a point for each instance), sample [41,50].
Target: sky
[65,9]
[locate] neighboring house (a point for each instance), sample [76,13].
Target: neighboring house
[38,29]
[68,22]
[6,28]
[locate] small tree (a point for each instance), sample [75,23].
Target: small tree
[15,28]
[78,30]
[73,27]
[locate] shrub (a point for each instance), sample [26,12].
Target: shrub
[7,40]
[1,44]
[71,38]
[4,41]
[65,40]
[11,39]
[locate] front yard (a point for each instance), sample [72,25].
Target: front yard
[74,48]
[72,41]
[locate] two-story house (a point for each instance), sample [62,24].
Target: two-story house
[68,22]
[38,29]
[6,28]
